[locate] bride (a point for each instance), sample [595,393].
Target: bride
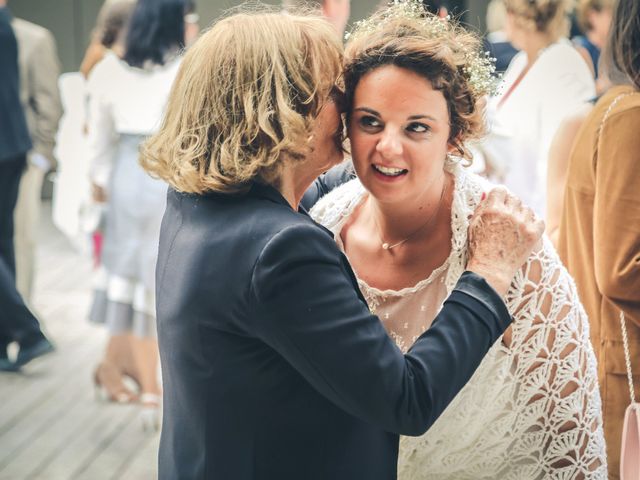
[532,410]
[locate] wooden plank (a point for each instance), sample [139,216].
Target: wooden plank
[50,426]
[53,434]
[123,448]
[144,465]
[38,417]
[50,375]
[85,442]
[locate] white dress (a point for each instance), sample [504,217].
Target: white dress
[71,189]
[521,129]
[532,410]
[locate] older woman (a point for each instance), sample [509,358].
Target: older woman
[273,365]
[532,409]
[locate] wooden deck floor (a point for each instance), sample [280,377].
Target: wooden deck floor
[51,427]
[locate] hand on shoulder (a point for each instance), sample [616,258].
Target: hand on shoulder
[502,234]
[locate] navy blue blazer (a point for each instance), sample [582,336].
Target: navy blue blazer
[273,366]
[14,134]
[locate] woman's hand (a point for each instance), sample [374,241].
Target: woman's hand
[502,234]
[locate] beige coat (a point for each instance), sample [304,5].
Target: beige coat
[600,245]
[39,72]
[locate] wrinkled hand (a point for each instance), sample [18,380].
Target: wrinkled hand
[502,234]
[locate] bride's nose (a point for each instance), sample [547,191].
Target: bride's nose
[390,144]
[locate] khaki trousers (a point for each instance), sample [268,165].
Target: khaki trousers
[26,220]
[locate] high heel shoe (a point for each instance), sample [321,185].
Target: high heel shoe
[150,413]
[108,385]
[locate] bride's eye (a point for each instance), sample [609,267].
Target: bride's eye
[417,127]
[368,121]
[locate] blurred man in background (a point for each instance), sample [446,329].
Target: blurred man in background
[17,323]
[39,72]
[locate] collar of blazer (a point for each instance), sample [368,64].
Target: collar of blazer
[262,190]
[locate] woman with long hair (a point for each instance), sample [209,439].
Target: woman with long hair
[599,239]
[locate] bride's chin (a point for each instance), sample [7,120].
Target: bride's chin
[384,194]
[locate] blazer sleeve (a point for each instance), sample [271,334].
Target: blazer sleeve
[617,212]
[311,313]
[326,182]
[44,97]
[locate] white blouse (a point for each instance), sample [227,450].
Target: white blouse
[532,410]
[521,129]
[123,100]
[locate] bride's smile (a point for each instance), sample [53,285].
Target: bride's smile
[399,131]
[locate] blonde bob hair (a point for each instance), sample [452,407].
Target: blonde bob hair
[244,102]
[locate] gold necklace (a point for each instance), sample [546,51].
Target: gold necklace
[386,246]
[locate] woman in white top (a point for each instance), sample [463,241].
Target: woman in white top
[71,193]
[544,83]
[532,409]
[127,99]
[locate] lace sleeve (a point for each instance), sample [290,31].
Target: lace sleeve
[555,368]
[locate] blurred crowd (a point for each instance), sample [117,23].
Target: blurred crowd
[562,135]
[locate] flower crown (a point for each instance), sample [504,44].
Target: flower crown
[478,67]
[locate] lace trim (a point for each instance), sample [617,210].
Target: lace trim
[333,211]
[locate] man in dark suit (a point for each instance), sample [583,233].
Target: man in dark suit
[17,323]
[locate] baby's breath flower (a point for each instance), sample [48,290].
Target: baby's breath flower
[479,67]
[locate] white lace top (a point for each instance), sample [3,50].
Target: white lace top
[532,410]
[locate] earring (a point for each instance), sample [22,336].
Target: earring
[450,160]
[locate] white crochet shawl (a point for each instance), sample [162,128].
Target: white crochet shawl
[532,410]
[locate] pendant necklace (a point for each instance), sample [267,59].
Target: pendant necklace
[387,246]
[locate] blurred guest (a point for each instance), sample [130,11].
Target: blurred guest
[39,72]
[594,19]
[437,7]
[108,33]
[71,206]
[599,238]
[585,48]
[74,212]
[17,323]
[563,143]
[496,41]
[546,81]
[127,97]
[335,11]
[559,154]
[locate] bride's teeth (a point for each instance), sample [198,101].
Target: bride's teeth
[389,170]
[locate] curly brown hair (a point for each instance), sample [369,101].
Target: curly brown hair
[440,55]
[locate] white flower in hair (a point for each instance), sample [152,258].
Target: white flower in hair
[478,67]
